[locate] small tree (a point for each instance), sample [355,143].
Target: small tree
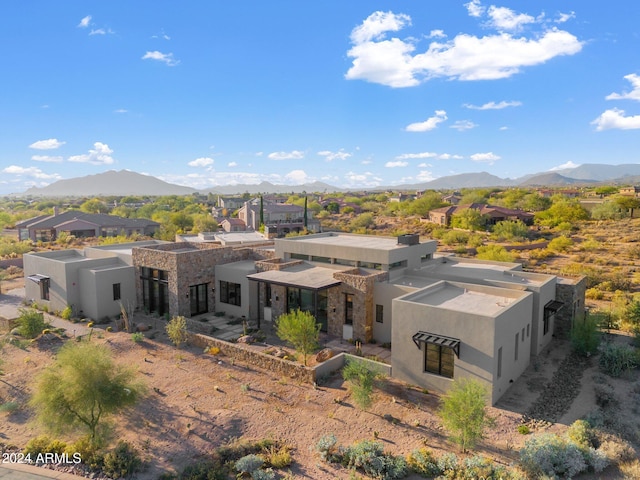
[81,388]
[300,330]
[177,330]
[463,412]
[31,323]
[361,379]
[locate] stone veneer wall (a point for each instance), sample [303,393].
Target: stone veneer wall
[572,293]
[359,283]
[188,267]
[246,354]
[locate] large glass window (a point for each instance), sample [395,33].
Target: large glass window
[155,290]
[438,360]
[379,314]
[230,293]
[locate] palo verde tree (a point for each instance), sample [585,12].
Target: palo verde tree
[300,329]
[463,412]
[83,387]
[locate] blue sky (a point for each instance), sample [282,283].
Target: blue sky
[356,94]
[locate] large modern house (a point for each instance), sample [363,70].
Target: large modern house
[492,213]
[445,317]
[46,228]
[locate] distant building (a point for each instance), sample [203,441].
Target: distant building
[630,191]
[233,225]
[230,203]
[279,218]
[46,228]
[494,214]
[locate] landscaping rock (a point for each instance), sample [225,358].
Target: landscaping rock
[248,339]
[141,327]
[324,355]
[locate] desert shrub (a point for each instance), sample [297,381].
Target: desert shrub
[448,462]
[326,447]
[278,457]
[540,254]
[249,463]
[67,313]
[369,457]
[605,396]
[122,461]
[616,449]
[596,460]
[422,462]
[481,467]
[560,244]
[594,293]
[630,469]
[495,252]
[524,429]
[89,452]
[455,237]
[580,433]
[267,474]
[361,379]
[43,444]
[206,470]
[8,406]
[30,323]
[177,330]
[548,454]
[617,359]
[137,337]
[585,336]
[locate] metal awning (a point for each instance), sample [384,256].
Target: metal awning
[426,337]
[37,278]
[553,306]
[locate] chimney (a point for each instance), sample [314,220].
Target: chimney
[55,210]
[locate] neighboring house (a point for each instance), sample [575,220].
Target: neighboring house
[568,193]
[279,218]
[230,203]
[493,214]
[402,197]
[233,225]
[46,228]
[452,199]
[630,191]
[92,281]
[445,318]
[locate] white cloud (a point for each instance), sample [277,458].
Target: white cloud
[425,176]
[293,155]
[331,156]
[429,124]
[488,157]
[166,58]
[49,144]
[392,61]
[564,17]
[462,125]
[101,31]
[569,164]
[425,165]
[503,18]
[201,162]
[493,105]
[436,34]
[366,162]
[634,94]
[85,22]
[99,155]
[503,128]
[474,8]
[449,156]
[297,177]
[121,110]
[406,156]
[47,158]
[362,180]
[396,164]
[615,118]
[375,26]
[33,172]
[162,35]
[232,164]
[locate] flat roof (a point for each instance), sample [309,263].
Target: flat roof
[356,241]
[453,297]
[303,276]
[488,271]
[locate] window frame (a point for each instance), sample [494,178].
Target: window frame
[440,359]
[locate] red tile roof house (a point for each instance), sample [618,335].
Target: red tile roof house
[46,228]
[494,214]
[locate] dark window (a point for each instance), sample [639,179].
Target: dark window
[230,293]
[116,291]
[438,360]
[517,343]
[198,300]
[528,330]
[348,309]
[155,290]
[267,294]
[548,315]
[379,314]
[44,289]
[499,362]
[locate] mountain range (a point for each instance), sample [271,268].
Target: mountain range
[125,182]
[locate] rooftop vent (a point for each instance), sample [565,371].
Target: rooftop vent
[409,239]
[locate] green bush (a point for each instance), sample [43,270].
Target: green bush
[326,447]
[585,336]
[361,379]
[580,433]
[177,330]
[369,457]
[30,323]
[249,463]
[43,444]
[423,462]
[67,313]
[123,461]
[524,429]
[618,359]
[137,337]
[548,454]
[560,244]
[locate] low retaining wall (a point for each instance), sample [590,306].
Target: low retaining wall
[6,324]
[245,353]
